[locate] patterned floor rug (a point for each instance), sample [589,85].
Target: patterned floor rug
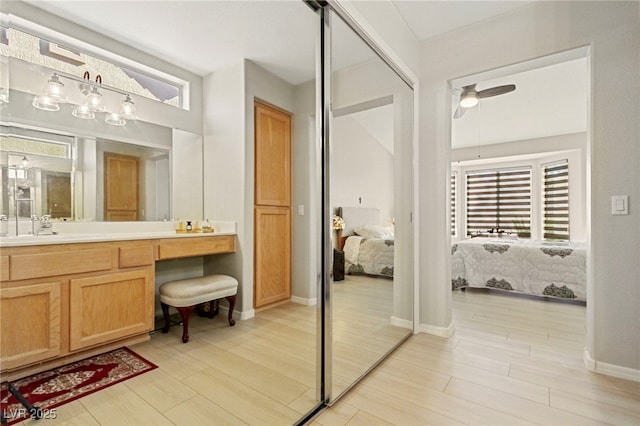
[64,384]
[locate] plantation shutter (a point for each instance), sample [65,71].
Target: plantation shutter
[499,199]
[453,204]
[556,200]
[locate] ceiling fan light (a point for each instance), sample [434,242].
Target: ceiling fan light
[468,100]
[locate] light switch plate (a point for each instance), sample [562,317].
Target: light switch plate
[619,204]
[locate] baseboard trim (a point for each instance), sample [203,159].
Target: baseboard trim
[245,315]
[304,301]
[403,323]
[610,369]
[437,331]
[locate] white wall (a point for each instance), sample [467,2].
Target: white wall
[224,171]
[361,169]
[539,29]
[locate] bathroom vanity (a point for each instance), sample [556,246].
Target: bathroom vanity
[66,297]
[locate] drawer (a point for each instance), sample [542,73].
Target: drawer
[4,268]
[129,257]
[197,246]
[38,265]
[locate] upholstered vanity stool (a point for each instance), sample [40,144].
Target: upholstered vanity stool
[185,294]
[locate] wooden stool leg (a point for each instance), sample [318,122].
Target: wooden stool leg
[232,303]
[184,313]
[165,313]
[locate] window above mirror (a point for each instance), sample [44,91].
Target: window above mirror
[40,46]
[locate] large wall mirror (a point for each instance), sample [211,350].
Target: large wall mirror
[81,178]
[54,163]
[371,199]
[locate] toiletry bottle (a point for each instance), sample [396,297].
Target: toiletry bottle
[180,227]
[189,226]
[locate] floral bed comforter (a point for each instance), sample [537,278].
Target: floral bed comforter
[371,256]
[543,268]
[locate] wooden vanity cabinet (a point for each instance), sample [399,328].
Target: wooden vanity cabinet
[64,302]
[64,299]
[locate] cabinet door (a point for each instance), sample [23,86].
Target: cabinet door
[272,255]
[30,326]
[109,307]
[273,156]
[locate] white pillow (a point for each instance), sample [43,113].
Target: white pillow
[374,231]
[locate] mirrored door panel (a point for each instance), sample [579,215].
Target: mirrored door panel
[371,193]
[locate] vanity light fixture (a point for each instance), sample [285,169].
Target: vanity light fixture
[114,119]
[128,109]
[53,96]
[83,111]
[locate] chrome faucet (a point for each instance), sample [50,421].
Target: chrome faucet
[35,230]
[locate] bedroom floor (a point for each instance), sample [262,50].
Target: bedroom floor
[511,361]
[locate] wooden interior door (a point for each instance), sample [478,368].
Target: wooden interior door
[59,195]
[121,182]
[272,208]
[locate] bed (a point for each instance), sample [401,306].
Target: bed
[542,268]
[368,245]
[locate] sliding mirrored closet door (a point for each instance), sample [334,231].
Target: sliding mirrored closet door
[371,205]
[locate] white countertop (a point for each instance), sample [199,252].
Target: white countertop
[84,232]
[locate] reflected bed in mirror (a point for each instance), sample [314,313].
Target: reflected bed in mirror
[71,177]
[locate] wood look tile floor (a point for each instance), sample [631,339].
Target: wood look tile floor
[512,361]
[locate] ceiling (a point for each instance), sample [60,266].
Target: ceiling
[204,36]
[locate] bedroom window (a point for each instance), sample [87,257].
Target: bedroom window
[499,200]
[453,203]
[555,185]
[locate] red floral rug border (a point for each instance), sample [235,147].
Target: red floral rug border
[61,385]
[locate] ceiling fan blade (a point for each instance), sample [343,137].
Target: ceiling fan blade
[459,112]
[495,91]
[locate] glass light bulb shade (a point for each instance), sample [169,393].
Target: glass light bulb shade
[128,109]
[55,89]
[83,111]
[94,100]
[469,100]
[114,119]
[45,103]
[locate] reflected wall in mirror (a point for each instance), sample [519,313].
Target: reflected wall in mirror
[372,191]
[66,177]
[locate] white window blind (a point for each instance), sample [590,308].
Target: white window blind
[556,200]
[499,200]
[453,204]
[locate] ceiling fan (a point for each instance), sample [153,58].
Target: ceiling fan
[470,96]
